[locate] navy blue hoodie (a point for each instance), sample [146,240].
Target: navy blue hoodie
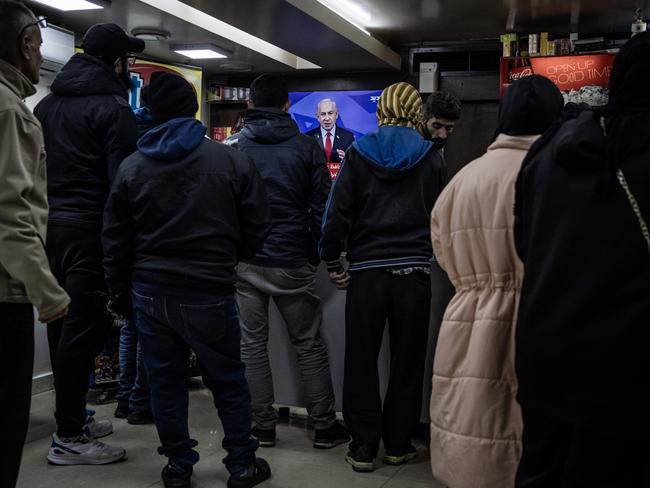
[183,210]
[381,202]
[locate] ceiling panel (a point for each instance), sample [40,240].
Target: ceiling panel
[275,21]
[293,29]
[408,21]
[130,14]
[334,44]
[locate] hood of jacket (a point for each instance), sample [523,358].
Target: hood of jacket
[86,75]
[580,143]
[16,81]
[391,151]
[269,126]
[506,141]
[172,140]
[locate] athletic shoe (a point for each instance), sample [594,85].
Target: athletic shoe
[82,450]
[175,477]
[361,460]
[266,437]
[121,411]
[254,475]
[330,437]
[97,428]
[140,418]
[395,458]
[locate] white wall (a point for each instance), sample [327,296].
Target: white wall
[42,369]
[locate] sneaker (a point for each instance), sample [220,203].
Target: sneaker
[395,458]
[82,450]
[361,460]
[121,411]
[175,477]
[330,437]
[96,429]
[266,437]
[140,418]
[254,475]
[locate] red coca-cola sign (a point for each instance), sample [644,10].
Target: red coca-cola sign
[517,73]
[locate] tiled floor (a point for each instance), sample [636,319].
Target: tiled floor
[295,464]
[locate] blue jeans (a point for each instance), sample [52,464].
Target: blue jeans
[134,387]
[169,322]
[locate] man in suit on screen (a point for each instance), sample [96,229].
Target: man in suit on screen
[334,139]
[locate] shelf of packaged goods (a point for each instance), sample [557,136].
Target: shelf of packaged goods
[227,102]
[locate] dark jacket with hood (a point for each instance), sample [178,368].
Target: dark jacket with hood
[182,211]
[584,318]
[297,183]
[381,202]
[583,330]
[89,129]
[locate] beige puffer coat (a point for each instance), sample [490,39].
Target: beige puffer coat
[475,420]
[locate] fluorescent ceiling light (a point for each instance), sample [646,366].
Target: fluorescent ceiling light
[200,53]
[349,11]
[212,24]
[68,5]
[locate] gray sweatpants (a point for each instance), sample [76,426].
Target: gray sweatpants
[292,290]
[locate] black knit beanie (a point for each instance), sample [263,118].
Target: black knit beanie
[171,96]
[529,107]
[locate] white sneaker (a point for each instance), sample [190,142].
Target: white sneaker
[82,450]
[96,429]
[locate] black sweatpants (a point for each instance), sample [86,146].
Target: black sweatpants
[373,298]
[16,367]
[560,455]
[75,257]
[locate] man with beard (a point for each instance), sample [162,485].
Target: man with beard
[439,116]
[89,129]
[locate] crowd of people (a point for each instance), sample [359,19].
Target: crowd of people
[107,215]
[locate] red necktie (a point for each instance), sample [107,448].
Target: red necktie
[328,146]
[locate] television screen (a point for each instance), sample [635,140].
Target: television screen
[357,109]
[356,114]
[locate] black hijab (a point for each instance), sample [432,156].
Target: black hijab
[629,81]
[530,106]
[627,115]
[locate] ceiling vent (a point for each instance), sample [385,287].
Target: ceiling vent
[150,34]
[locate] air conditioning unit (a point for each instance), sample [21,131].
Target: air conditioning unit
[429,77]
[57,48]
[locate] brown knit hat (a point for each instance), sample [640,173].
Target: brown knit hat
[400,104]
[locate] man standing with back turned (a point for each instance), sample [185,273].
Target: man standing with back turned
[297,184]
[89,129]
[25,277]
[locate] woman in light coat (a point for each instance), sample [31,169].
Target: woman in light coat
[475,421]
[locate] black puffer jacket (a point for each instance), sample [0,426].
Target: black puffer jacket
[182,211]
[583,332]
[89,129]
[297,183]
